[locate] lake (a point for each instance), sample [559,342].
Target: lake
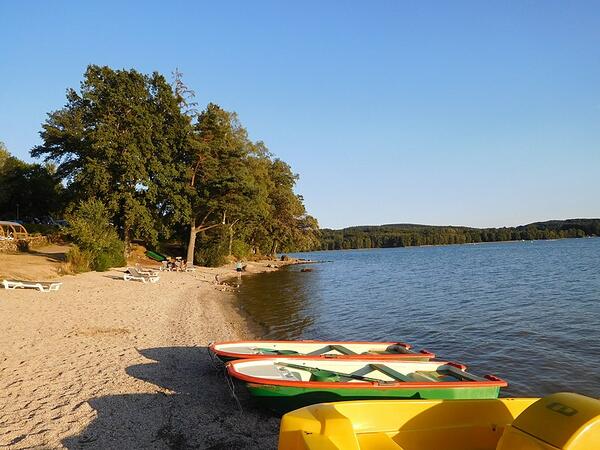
[528,312]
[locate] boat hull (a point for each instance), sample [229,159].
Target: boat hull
[283,384]
[234,350]
[282,399]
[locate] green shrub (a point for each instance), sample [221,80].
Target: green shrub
[211,250]
[96,239]
[240,249]
[77,260]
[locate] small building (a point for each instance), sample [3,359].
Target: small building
[12,230]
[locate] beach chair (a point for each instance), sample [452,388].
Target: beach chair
[146,271]
[133,274]
[190,268]
[42,286]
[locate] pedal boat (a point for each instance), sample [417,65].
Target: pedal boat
[561,421]
[283,384]
[228,351]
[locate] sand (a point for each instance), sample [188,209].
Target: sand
[104,363]
[42,264]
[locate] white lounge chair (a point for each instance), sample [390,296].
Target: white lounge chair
[147,271]
[134,275]
[42,286]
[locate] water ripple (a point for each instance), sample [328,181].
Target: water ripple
[528,312]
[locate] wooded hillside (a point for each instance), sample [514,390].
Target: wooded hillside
[407,235]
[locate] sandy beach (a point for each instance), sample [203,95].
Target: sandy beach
[109,364]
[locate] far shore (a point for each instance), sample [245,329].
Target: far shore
[107,363]
[513,241]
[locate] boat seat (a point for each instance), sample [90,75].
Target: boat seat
[341,349]
[563,421]
[389,372]
[421,375]
[319,351]
[377,441]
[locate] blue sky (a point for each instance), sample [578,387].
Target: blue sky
[464,113]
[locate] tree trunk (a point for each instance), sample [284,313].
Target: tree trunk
[192,242]
[231,225]
[274,248]
[126,239]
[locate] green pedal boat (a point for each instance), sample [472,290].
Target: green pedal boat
[285,384]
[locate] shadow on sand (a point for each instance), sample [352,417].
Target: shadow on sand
[50,256]
[200,413]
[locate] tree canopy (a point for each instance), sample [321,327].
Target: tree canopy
[120,139]
[138,145]
[27,190]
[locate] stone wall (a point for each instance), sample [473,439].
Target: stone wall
[23,245]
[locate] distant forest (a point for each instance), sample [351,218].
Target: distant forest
[408,235]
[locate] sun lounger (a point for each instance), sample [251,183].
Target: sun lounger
[190,269]
[133,274]
[147,271]
[42,286]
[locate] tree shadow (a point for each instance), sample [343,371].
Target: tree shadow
[50,256]
[114,277]
[199,412]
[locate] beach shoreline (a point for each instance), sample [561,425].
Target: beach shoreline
[105,363]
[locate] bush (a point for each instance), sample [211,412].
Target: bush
[77,260]
[241,249]
[211,251]
[95,238]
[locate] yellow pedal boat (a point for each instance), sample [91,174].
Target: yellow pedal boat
[562,421]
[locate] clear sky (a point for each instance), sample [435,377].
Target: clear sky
[463,113]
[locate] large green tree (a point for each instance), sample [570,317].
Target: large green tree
[289,226]
[218,176]
[137,144]
[120,139]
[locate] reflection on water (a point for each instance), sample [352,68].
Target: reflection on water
[528,311]
[279,301]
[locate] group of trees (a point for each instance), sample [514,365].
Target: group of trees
[131,151]
[408,235]
[162,171]
[27,190]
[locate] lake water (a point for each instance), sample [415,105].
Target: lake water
[528,312]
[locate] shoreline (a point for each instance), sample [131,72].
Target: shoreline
[446,245]
[105,363]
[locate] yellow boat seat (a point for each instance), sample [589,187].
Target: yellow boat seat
[562,421]
[558,422]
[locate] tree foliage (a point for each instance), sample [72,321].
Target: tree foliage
[97,244]
[162,170]
[407,235]
[34,189]
[239,188]
[120,139]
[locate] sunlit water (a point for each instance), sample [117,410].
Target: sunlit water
[528,312]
